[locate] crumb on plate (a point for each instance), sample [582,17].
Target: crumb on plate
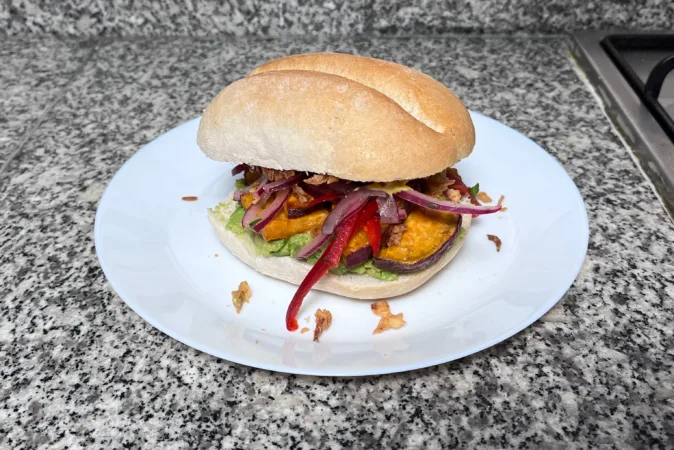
[323,322]
[190,198]
[500,203]
[241,296]
[483,197]
[388,320]
[495,239]
[304,330]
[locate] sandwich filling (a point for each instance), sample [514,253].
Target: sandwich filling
[376,229]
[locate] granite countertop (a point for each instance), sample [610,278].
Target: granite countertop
[280,18]
[80,369]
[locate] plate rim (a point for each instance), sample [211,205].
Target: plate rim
[348,371]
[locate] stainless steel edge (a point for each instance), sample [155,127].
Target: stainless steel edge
[651,146]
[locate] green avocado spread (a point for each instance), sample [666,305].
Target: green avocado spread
[291,245]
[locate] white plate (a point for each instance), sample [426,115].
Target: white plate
[158,252]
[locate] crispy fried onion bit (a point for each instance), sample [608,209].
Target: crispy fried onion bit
[323,322]
[388,320]
[241,296]
[500,202]
[495,239]
[483,197]
[321,179]
[394,234]
[301,194]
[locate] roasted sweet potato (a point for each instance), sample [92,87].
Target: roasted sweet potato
[425,233]
[282,227]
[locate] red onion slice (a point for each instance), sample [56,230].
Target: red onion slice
[313,246]
[239,168]
[351,204]
[341,187]
[358,257]
[388,210]
[402,213]
[259,190]
[270,212]
[237,194]
[283,184]
[313,205]
[315,190]
[435,204]
[253,213]
[294,213]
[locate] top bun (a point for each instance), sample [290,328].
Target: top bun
[355,118]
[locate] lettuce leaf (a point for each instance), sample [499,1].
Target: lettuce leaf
[240,183]
[234,222]
[367,268]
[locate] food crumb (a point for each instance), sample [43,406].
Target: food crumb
[321,179]
[256,341]
[190,198]
[388,320]
[454,195]
[216,255]
[304,330]
[323,322]
[394,234]
[500,203]
[241,296]
[495,240]
[307,319]
[263,329]
[483,197]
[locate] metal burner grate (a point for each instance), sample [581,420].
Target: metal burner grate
[646,62]
[632,74]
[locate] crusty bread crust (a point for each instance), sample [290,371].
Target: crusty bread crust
[293,271]
[356,118]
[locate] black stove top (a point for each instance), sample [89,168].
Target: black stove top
[633,73]
[646,61]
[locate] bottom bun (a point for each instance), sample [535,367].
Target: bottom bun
[293,271]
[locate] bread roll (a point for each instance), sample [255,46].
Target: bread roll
[355,118]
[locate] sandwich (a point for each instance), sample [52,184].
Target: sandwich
[345,179]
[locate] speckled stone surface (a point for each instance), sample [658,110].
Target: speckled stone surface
[33,73]
[80,369]
[330,17]
[431,17]
[4,17]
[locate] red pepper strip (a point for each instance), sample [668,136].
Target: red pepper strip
[373,230]
[366,213]
[323,198]
[330,258]
[364,217]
